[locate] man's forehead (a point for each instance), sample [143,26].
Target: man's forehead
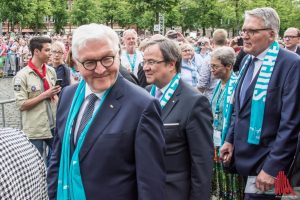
[152,50]
[290,31]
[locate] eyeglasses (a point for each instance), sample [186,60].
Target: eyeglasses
[290,37]
[187,50]
[57,52]
[215,67]
[92,64]
[251,32]
[151,62]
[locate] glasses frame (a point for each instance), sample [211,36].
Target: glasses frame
[96,62]
[57,52]
[216,67]
[252,32]
[290,37]
[153,62]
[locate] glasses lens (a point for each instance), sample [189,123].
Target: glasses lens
[90,65]
[107,61]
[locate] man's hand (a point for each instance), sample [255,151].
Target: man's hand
[264,181]
[51,92]
[226,152]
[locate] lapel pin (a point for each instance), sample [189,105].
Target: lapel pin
[173,101]
[111,106]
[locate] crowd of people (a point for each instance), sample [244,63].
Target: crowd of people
[165,118]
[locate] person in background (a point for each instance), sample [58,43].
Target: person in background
[207,82]
[23,52]
[291,39]
[189,67]
[36,94]
[57,57]
[131,57]
[75,76]
[224,185]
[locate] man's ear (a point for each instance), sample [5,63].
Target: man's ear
[172,66]
[36,51]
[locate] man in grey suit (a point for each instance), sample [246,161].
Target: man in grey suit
[187,122]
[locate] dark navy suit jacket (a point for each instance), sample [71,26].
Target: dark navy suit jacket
[281,123]
[122,154]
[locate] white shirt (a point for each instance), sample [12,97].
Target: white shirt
[125,62]
[259,62]
[88,91]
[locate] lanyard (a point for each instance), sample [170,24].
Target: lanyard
[132,64]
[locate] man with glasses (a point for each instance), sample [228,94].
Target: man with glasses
[265,122]
[187,123]
[109,142]
[36,94]
[292,39]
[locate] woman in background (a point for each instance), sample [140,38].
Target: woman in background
[225,186]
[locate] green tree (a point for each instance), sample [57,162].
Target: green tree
[115,12]
[40,10]
[15,11]
[84,12]
[60,15]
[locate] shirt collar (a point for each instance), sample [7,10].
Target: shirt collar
[262,55]
[88,91]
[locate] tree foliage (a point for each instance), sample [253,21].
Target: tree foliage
[60,14]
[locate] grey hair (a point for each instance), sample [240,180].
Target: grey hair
[186,46]
[169,49]
[60,45]
[93,32]
[225,55]
[268,15]
[128,31]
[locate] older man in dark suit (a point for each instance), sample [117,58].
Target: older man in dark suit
[109,142]
[266,119]
[187,123]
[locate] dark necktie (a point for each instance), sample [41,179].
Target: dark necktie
[87,114]
[158,94]
[247,80]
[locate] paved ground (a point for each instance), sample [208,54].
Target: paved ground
[11,114]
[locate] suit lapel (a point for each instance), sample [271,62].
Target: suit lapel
[172,102]
[238,90]
[249,92]
[108,110]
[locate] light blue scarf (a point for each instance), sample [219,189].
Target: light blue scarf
[227,106]
[259,95]
[70,185]
[169,92]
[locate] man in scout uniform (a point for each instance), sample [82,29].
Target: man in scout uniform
[35,92]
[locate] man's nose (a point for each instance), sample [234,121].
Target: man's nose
[99,68]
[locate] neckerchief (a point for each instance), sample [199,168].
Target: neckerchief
[70,186]
[259,94]
[227,105]
[132,64]
[42,76]
[169,91]
[218,102]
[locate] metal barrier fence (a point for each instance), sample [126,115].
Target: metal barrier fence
[10,115]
